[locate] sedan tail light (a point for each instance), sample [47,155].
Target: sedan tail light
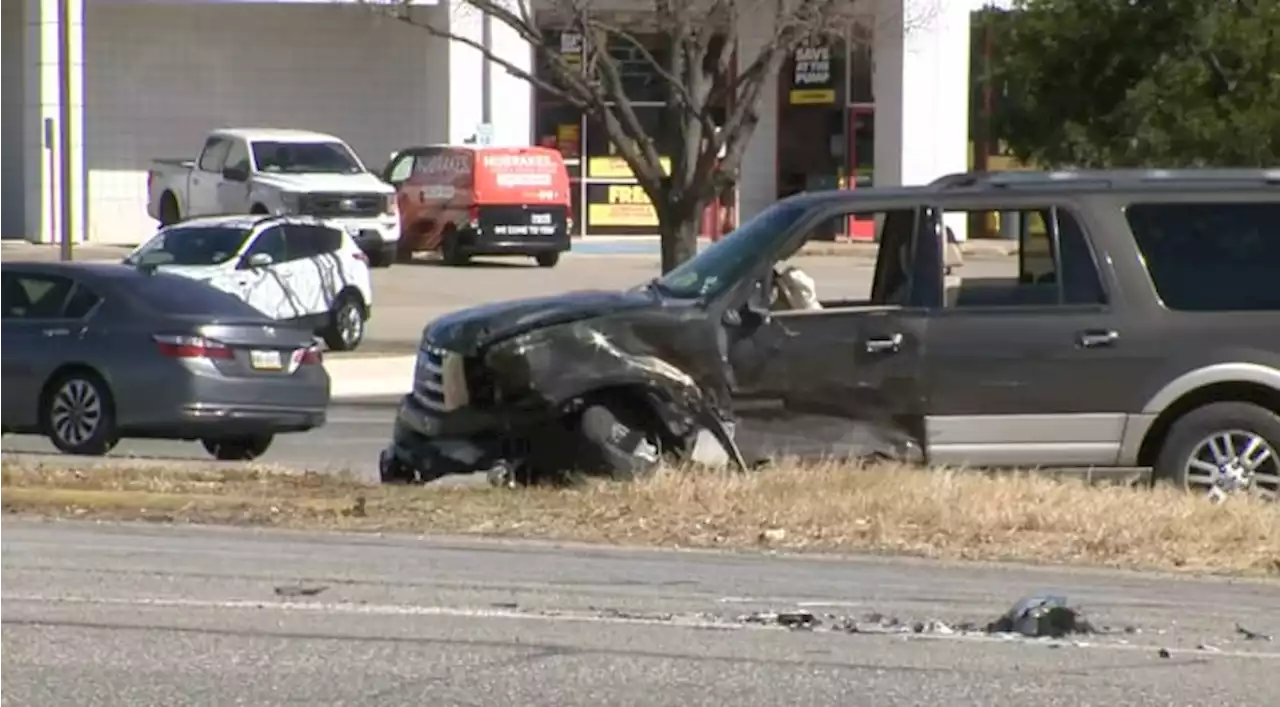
[180,346]
[311,356]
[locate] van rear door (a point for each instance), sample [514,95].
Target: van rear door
[522,192]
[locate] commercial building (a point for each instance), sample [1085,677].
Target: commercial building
[148,78]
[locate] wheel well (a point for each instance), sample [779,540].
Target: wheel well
[635,401]
[353,292]
[70,369]
[1258,394]
[259,209]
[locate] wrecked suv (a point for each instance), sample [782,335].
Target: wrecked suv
[1137,330]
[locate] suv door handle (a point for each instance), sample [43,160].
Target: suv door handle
[1097,338]
[884,344]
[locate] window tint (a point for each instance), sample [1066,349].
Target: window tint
[308,241]
[1055,264]
[30,296]
[271,242]
[174,294]
[1210,257]
[238,156]
[81,302]
[193,245]
[214,154]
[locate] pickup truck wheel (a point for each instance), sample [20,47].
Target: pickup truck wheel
[169,213]
[238,449]
[547,260]
[382,257]
[346,324]
[619,444]
[1222,449]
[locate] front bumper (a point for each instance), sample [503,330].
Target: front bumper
[461,441]
[373,235]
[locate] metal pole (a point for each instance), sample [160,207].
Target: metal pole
[486,69]
[64,128]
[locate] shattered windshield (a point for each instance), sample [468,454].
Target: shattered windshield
[305,158]
[724,262]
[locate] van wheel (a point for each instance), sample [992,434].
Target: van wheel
[169,213]
[346,324]
[451,250]
[547,260]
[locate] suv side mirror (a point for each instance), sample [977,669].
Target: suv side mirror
[235,174]
[258,260]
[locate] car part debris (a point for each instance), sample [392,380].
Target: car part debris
[1046,616]
[1252,635]
[1164,653]
[299,590]
[787,619]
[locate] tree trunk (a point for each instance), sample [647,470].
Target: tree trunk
[679,229]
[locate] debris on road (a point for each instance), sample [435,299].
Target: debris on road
[299,590]
[1252,635]
[1164,653]
[1046,616]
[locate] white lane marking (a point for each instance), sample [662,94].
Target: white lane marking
[677,621]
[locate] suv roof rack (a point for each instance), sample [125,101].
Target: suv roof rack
[1105,178]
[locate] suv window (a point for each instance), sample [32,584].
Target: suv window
[1055,264]
[271,242]
[309,241]
[214,154]
[1210,256]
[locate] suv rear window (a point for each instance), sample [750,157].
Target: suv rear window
[1210,256]
[174,294]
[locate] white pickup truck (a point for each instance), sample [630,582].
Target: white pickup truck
[262,171]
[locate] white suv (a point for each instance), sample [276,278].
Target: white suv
[296,269]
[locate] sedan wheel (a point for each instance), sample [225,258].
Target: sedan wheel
[78,416]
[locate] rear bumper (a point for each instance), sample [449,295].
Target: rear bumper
[480,243]
[198,420]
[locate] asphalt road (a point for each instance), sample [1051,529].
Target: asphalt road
[154,615]
[349,441]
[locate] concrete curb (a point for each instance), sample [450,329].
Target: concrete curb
[369,377]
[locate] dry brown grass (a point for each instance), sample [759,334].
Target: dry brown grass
[943,514]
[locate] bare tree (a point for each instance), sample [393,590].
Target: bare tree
[712,81]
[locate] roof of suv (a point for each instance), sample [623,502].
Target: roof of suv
[243,220]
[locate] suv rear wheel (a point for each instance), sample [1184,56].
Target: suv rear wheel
[346,324]
[1224,448]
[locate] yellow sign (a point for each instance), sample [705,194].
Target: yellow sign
[627,205]
[813,96]
[616,168]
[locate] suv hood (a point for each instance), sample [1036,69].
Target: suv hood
[469,330]
[363,182]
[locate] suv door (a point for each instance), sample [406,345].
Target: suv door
[313,270]
[842,381]
[1038,367]
[265,287]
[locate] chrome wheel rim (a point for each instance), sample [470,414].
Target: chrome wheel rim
[350,324]
[76,414]
[1234,461]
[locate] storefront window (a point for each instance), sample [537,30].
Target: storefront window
[641,81]
[604,160]
[861,64]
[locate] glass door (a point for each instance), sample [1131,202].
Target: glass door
[862,143]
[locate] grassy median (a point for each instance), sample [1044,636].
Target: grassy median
[885,509]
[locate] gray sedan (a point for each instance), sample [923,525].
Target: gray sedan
[96,352]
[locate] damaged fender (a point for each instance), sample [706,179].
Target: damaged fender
[563,364]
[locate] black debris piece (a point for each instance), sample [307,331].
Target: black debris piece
[504,605]
[1164,653]
[788,619]
[1041,616]
[299,590]
[1252,635]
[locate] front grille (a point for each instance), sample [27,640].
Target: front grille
[338,205]
[439,379]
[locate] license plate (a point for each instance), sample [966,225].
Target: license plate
[266,360]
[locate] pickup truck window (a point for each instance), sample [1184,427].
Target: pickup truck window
[193,245]
[305,158]
[238,157]
[1210,256]
[214,154]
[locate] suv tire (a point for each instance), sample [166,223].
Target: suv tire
[345,330]
[618,444]
[1187,457]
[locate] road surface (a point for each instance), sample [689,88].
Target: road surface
[102,614]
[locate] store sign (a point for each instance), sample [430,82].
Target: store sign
[617,168]
[812,81]
[571,48]
[623,205]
